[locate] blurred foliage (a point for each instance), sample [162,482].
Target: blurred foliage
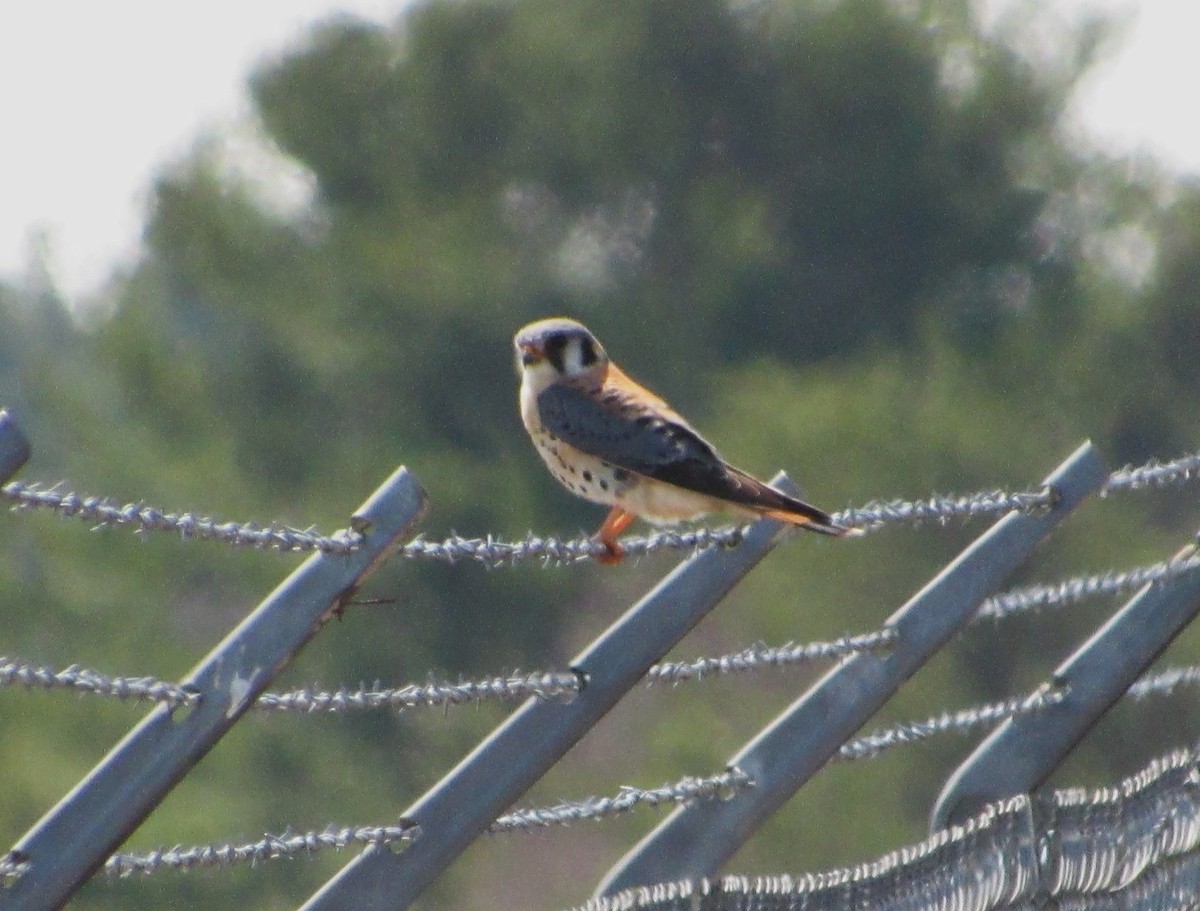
[847,238]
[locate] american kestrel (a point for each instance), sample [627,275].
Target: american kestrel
[610,440]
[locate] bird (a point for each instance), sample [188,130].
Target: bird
[612,441]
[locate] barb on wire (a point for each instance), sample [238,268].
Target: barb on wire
[273,847]
[553,550]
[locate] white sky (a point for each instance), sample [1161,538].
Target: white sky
[96,96]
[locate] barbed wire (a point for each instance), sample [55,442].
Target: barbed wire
[269,847]
[545,684]
[960,722]
[104,512]
[1165,682]
[563,684]
[715,787]
[760,657]
[1080,588]
[557,551]
[1154,474]
[17,672]
[942,508]
[274,847]
[514,687]
[719,786]
[558,685]
[1159,683]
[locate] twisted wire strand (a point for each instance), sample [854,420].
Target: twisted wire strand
[103,512]
[274,847]
[760,657]
[1158,683]
[1155,474]
[1080,588]
[976,716]
[514,687]
[942,508]
[16,672]
[1165,682]
[555,551]
[715,787]
[269,847]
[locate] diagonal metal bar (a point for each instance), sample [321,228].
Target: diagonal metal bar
[73,839]
[14,447]
[695,840]
[1020,754]
[466,801]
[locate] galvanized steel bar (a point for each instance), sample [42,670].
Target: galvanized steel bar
[695,840]
[1020,754]
[465,802]
[74,838]
[14,447]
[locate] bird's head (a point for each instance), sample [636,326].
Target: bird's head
[552,350]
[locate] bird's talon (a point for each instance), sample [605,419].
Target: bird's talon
[613,553]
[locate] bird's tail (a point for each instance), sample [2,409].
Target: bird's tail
[769,502]
[828,527]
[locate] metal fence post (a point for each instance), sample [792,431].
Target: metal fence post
[74,838]
[1020,754]
[462,805]
[14,447]
[697,838]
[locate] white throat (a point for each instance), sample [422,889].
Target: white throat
[535,378]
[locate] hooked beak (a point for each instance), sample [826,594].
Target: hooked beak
[531,353]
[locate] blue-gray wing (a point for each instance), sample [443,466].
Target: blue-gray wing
[619,428]
[624,432]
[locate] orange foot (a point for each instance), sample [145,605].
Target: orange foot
[614,524]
